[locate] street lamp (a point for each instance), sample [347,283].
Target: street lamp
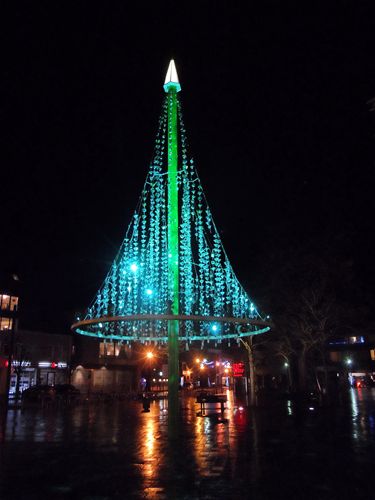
[289,375]
[349,376]
[149,357]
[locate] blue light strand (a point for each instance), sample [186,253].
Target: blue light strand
[208,284]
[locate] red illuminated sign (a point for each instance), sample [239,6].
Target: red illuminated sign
[3,362]
[238,369]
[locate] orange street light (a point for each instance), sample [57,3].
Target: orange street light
[150,355]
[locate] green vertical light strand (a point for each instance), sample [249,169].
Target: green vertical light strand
[173,326]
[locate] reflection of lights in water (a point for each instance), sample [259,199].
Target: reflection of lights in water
[355,412]
[147,449]
[354,402]
[162,406]
[360,394]
[230,399]
[203,444]
[213,439]
[289,407]
[150,428]
[200,443]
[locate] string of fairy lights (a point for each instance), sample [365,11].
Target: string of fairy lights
[137,282]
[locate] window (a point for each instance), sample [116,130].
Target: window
[5,302]
[102,349]
[5,324]
[372,354]
[356,340]
[8,303]
[13,303]
[109,349]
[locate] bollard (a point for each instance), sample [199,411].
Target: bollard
[146,404]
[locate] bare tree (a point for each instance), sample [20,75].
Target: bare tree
[309,317]
[283,347]
[248,344]
[253,346]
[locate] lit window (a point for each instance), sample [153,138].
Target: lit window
[372,354]
[102,349]
[13,303]
[5,302]
[356,340]
[5,324]
[110,349]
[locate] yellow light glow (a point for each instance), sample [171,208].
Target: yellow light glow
[226,370]
[150,354]
[197,360]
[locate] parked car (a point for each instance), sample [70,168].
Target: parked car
[38,393]
[48,393]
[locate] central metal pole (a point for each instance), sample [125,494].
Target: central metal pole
[173,325]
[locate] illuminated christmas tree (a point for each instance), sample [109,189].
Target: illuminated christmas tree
[171,280]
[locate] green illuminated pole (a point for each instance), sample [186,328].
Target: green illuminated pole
[172,86]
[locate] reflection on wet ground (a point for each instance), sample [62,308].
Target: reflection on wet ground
[105,451]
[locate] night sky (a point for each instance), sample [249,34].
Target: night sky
[277,107]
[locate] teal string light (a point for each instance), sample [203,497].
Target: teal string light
[138,282]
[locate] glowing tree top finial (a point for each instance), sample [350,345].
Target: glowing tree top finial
[171,78]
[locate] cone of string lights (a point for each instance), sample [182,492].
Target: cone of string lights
[171,280]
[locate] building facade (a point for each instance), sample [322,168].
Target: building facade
[37,358]
[107,367]
[8,326]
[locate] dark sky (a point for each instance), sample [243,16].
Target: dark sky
[276,106]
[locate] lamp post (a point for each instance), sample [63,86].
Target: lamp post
[349,363]
[149,357]
[171,87]
[287,366]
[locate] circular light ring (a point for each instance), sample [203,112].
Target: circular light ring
[81,327]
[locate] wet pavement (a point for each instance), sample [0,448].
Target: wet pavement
[113,450]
